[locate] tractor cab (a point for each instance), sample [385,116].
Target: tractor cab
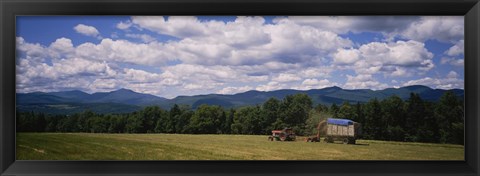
[286,134]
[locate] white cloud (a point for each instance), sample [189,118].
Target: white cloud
[441,28]
[140,76]
[104,84]
[245,41]
[153,53]
[308,84]
[72,73]
[452,74]
[401,58]
[459,62]
[124,25]
[87,30]
[33,52]
[315,72]
[234,90]
[270,86]
[401,72]
[229,57]
[344,56]
[178,26]
[356,24]
[363,82]
[456,49]
[61,47]
[401,53]
[285,77]
[450,81]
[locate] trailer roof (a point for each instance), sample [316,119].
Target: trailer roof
[339,121]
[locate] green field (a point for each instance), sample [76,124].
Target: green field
[86,146]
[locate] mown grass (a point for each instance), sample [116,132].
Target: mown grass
[86,146]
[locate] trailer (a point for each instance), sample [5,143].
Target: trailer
[332,129]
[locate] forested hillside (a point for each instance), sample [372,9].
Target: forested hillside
[391,119]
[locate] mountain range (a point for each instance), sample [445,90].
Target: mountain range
[125,100]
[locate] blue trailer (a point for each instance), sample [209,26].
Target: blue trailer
[332,129]
[344,130]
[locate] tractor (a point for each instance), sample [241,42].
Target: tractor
[286,134]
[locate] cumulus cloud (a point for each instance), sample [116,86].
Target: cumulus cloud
[63,73]
[454,55]
[459,62]
[363,82]
[62,47]
[245,41]
[456,49]
[346,56]
[442,28]
[153,53]
[401,53]
[209,56]
[32,52]
[87,30]
[272,85]
[285,77]
[355,24]
[401,58]
[234,90]
[451,81]
[124,25]
[308,84]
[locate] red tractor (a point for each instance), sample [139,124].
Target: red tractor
[286,134]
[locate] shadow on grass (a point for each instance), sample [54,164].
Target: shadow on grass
[361,144]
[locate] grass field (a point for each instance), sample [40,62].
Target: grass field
[85,146]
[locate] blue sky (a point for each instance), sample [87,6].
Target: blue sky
[188,55]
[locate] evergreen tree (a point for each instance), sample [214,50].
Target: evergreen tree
[373,124]
[449,113]
[415,116]
[393,118]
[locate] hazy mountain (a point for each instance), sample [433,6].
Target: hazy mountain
[126,96]
[123,96]
[124,100]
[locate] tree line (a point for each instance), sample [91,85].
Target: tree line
[390,119]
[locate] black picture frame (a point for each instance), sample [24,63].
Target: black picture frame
[11,8]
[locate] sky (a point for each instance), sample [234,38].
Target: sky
[169,56]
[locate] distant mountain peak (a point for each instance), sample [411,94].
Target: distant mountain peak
[125,89]
[327,96]
[75,91]
[335,87]
[416,87]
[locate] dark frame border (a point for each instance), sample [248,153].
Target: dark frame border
[10,8]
